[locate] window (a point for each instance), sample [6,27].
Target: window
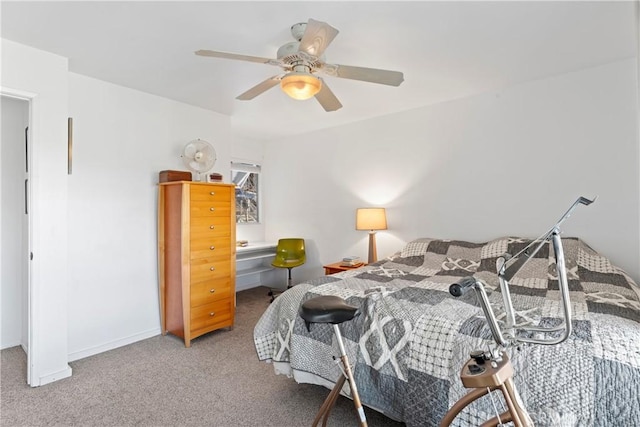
[246,177]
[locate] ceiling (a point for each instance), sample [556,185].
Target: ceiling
[446,50]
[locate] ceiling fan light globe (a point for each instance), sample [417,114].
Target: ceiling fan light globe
[300,86]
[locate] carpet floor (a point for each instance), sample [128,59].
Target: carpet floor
[158,382]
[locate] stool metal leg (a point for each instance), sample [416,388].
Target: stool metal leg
[326,407]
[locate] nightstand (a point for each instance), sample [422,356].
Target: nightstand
[336,267]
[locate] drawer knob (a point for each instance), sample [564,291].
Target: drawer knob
[212,193]
[212,290]
[213,313]
[212,268]
[212,247]
[212,209]
[211,227]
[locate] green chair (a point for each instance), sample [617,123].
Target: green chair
[290,253]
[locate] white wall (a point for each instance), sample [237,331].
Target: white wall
[15,117]
[100,291]
[122,139]
[44,77]
[502,163]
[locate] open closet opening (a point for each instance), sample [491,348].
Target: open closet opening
[14,222]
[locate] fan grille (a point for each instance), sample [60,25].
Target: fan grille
[199,156]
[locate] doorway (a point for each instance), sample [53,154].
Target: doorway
[14,222]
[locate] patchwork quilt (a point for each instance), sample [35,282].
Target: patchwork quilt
[412,337]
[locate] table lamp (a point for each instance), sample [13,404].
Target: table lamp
[371,219]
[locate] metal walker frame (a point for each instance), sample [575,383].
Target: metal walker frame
[487,371]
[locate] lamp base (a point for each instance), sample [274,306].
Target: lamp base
[373,254]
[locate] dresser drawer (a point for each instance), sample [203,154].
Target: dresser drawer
[210,291]
[210,227]
[211,316]
[210,192]
[203,242]
[210,209]
[210,247]
[203,269]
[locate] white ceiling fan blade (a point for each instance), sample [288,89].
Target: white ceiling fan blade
[260,88]
[226,55]
[317,37]
[373,75]
[327,99]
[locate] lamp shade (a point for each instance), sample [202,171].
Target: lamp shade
[371,219]
[300,85]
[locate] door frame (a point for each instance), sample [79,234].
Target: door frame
[30,98]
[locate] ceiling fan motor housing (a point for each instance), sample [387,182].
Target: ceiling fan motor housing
[288,50]
[297,30]
[290,55]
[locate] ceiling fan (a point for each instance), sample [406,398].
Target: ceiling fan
[301,60]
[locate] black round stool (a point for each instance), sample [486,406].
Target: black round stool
[334,310]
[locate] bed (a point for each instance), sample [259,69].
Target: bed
[412,337]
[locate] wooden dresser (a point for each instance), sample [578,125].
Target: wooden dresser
[196,257]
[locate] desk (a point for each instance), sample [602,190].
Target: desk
[251,259]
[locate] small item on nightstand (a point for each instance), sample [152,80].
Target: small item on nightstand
[242,243]
[352,265]
[351,261]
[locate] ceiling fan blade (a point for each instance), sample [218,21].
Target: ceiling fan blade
[317,37]
[373,75]
[260,88]
[226,55]
[327,99]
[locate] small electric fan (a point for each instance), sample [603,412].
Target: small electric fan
[199,156]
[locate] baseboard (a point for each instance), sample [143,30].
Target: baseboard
[65,373]
[245,286]
[77,355]
[10,345]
